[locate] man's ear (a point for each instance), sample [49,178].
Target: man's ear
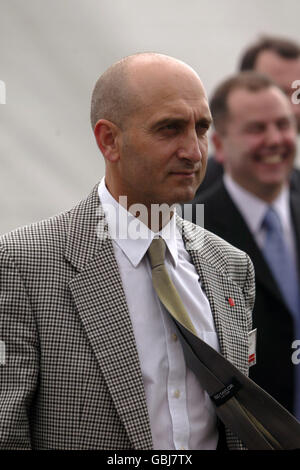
[106,133]
[218,144]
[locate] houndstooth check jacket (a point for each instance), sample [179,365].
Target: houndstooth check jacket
[72,379]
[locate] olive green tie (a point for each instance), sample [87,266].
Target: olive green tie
[215,373]
[164,286]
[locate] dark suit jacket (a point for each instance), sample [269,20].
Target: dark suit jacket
[274,370]
[72,377]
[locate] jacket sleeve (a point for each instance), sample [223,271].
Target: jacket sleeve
[19,357]
[249,291]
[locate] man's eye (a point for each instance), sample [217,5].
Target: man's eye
[170,127]
[284,124]
[202,129]
[255,129]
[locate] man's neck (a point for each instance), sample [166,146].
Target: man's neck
[154,215]
[266,193]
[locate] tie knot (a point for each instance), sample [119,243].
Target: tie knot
[157,252]
[272,221]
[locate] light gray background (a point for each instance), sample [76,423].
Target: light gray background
[52,52]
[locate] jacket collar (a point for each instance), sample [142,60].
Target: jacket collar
[88,231]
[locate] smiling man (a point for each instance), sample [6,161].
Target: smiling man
[258,142]
[252,208]
[93,359]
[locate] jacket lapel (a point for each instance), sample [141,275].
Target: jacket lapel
[100,300]
[218,288]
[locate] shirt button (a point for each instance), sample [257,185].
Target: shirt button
[176,394]
[174,337]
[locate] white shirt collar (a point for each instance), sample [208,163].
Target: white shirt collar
[253,209]
[131,235]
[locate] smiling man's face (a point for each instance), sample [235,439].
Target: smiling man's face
[259,142]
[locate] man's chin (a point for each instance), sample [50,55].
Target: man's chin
[185,196]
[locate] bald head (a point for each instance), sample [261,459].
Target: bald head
[150,118]
[121,90]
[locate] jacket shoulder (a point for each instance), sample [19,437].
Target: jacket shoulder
[37,239]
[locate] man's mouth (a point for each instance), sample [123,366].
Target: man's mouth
[270,159]
[185,172]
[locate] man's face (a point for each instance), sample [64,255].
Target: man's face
[284,72]
[163,146]
[259,142]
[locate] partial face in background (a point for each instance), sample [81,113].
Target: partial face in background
[284,72]
[259,142]
[163,145]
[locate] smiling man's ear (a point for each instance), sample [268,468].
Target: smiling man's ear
[219,149]
[106,134]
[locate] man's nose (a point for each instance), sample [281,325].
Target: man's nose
[273,135]
[190,147]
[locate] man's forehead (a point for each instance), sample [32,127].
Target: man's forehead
[166,86]
[165,102]
[241,101]
[173,108]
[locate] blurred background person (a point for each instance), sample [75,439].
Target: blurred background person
[253,208]
[279,58]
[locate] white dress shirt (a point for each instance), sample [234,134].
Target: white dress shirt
[180,411]
[254,209]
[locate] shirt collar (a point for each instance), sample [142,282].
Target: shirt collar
[282,207]
[253,209]
[131,235]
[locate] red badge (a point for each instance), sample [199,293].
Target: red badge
[231,302]
[251,358]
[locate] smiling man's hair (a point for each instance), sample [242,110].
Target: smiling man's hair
[250,81]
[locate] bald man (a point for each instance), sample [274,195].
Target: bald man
[90,357]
